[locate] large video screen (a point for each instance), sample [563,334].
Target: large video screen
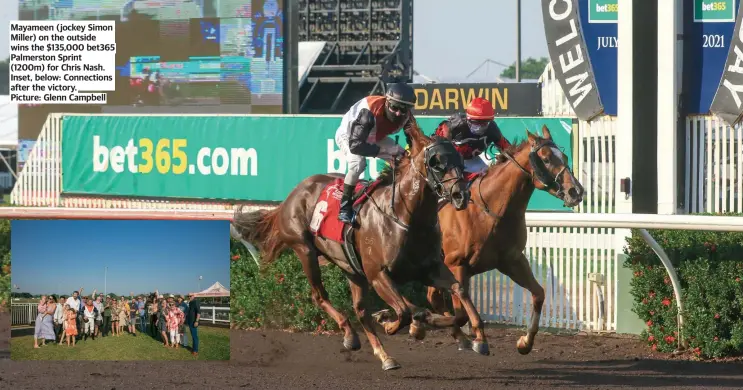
[179,56]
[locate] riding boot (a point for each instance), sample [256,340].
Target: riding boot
[345,214]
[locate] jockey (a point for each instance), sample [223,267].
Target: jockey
[473,132]
[364,131]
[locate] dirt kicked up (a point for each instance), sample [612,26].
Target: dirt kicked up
[271,359]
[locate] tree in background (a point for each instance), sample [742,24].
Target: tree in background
[530,69]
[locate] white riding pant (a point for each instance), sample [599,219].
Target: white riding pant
[175,337]
[475,165]
[88,326]
[354,163]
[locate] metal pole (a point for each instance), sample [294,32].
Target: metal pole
[518,41]
[105,281]
[667,107]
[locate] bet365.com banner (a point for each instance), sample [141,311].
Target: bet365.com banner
[248,158]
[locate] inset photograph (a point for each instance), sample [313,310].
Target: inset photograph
[120,290]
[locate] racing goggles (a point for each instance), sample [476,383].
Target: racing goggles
[478,126]
[399,108]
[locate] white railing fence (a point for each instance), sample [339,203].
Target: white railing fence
[554,102]
[25,314]
[564,261]
[713,166]
[215,315]
[575,266]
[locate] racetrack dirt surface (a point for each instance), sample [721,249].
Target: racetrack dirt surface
[272,359]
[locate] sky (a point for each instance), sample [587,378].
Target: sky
[61,256]
[448,44]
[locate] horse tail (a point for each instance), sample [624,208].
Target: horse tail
[260,227]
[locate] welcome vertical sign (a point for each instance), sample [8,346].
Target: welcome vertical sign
[570,57]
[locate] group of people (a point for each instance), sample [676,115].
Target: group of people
[364,130]
[74,318]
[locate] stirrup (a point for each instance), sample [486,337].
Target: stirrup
[346,217]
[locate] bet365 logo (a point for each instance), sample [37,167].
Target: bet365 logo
[601,8]
[603,11]
[714,11]
[714,6]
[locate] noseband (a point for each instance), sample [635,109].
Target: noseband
[434,182]
[539,171]
[434,174]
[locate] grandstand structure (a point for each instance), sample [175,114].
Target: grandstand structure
[355,48]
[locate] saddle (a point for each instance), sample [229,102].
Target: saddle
[325,222]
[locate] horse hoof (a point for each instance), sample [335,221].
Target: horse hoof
[464,344]
[381,316]
[418,332]
[390,364]
[481,348]
[522,346]
[352,344]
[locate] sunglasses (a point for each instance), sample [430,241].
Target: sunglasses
[478,123]
[397,107]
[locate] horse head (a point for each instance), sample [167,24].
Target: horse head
[547,167]
[439,163]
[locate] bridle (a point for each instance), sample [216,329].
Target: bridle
[539,173]
[433,176]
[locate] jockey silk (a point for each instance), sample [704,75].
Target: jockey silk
[375,131]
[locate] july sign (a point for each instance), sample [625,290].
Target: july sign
[598,19]
[708,34]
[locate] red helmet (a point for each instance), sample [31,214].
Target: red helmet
[480,109]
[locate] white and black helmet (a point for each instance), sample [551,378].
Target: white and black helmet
[401,95]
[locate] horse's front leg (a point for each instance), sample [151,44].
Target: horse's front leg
[385,288]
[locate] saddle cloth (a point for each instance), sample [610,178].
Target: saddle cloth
[325,221]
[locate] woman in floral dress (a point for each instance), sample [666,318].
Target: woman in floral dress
[115,317]
[175,318]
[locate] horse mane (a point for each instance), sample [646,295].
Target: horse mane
[385,177]
[516,146]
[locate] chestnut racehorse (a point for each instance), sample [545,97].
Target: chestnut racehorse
[491,233]
[396,244]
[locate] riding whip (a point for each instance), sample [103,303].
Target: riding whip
[394,168]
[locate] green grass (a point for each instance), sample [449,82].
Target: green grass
[214,344]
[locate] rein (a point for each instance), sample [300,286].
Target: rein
[394,216]
[541,176]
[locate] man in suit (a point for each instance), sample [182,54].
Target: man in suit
[192,319]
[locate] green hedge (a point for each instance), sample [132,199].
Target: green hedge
[710,269]
[5,264]
[279,295]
